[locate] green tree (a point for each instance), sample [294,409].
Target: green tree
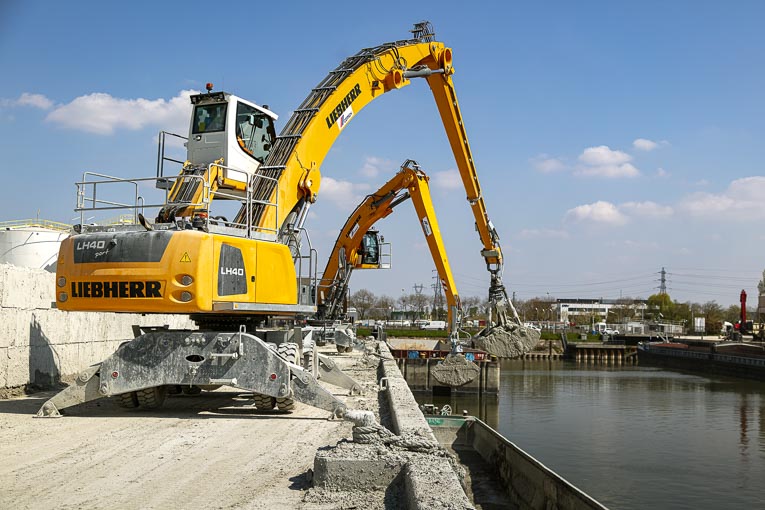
[733,313]
[682,312]
[713,315]
[660,304]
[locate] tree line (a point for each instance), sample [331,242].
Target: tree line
[412,306]
[658,307]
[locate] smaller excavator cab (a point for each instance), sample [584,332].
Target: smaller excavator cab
[370,249]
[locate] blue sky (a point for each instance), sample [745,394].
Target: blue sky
[611,139]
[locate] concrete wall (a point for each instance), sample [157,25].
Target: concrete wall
[40,345]
[429,482]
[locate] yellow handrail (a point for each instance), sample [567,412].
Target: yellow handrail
[34,222]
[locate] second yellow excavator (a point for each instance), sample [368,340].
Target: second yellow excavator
[360,247]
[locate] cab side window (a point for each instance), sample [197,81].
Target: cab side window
[209,118]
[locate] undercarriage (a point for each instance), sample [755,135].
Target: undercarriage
[142,370]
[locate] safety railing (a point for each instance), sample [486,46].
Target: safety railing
[95,192]
[312,270]
[36,222]
[162,157]
[386,255]
[249,202]
[92,202]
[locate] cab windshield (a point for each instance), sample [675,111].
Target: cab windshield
[209,118]
[254,131]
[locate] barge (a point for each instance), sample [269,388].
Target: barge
[745,360]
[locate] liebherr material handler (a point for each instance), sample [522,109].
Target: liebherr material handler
[231,276]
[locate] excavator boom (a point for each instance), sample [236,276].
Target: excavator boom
[308,135]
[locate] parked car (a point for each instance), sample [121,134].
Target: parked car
[609,331]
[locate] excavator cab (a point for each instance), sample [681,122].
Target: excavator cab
[374,252]
[370,248]
[228,128]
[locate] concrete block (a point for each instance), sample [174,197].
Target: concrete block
[18,368]
[67,357]
[430,482]
[26,288]
[350,466]
[14,327]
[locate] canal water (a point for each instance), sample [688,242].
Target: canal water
[634,437]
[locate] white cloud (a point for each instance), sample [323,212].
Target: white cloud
[609,171]
[448,180]
[647,209]
[740,202]
[643,144]
[35,100]
[701,183]
[545,164]
[603,155]
[373,166]
[598,212]
[545,233]
[104,114]
[27,99]
[344,194]
[602,161]
[660,172]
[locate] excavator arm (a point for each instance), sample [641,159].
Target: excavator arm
[350,252]
[299,150]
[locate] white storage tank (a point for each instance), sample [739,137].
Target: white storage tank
[32,243]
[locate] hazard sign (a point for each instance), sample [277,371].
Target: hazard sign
[186,257]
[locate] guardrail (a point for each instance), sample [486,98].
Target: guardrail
[92,197]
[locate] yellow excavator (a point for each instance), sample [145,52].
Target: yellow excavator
[359,246]
[232,276]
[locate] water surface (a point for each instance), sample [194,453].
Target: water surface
[634,437]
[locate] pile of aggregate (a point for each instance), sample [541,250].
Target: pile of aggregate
[508,341]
